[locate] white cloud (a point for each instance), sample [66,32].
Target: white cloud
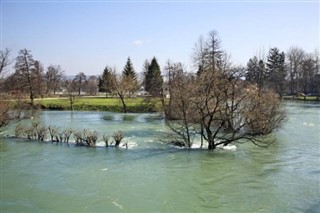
[139,42]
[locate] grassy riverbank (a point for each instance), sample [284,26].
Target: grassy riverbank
[301,98]
[101,104]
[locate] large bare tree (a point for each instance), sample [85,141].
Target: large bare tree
[223,109]
[295,56]
[179,110]
[54,76]
[25,73]
[208,53]
[80,80]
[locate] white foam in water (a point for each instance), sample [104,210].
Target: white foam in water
[307,124]
[230,147]
[117,205]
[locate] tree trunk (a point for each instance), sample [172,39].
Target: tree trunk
[124,106]
[211,145]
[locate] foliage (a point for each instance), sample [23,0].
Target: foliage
[105,81]
[276,73]
[154,79]
[256,72]
[128,70]
[129,78]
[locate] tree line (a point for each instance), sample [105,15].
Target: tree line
[218,101]
[31,79]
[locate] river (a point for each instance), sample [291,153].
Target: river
[151,176]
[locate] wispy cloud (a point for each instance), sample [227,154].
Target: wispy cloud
[139,42]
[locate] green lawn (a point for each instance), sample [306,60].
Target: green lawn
[302,98]
[100,103]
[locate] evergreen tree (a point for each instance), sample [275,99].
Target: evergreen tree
[153,79]
[129,79]
[145,68]
[276,72]
[128,70]
[105,81]
[256,72]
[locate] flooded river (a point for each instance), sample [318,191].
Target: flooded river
[151,176]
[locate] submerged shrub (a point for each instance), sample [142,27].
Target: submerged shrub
[19,130]
[106,139]
[90,137]
[78,138]
[86,137]
[53,132]
[66,135]
[118,136]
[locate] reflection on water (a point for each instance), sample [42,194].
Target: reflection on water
[153,177]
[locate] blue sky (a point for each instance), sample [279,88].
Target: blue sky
[85,36]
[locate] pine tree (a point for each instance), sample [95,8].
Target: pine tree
[129,78]
[256,72]
[128,70]
[276,72]
[153,79]
[105,82]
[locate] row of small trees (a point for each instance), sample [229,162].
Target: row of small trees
[38,131]
[294,72]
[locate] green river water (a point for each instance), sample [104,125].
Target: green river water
[153,177]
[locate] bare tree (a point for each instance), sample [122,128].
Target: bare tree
[80,80]
[4,59]
[92,85]
[119,86]
[38,79]
[200,55]
[179,110]
[53,76]
[208,53]
[309,71]
[25,66]
[224,109]
[72,92]
[295,56]
[214,50]
[11,111]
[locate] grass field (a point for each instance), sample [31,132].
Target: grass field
[301,98]
[101,104]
